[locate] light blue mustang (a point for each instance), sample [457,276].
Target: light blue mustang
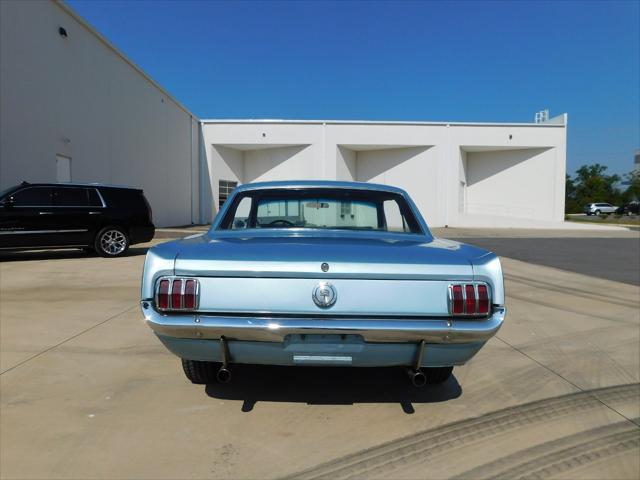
[321,273]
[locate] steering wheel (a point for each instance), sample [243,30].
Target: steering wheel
[284,223]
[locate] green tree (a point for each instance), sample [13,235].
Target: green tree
[591,184]
[632,193]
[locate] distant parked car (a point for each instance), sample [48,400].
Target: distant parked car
[632,208]
[103,218]
[598,208]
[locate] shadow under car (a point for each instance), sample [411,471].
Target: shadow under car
[328,386]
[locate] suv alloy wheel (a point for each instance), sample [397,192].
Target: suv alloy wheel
[111,242]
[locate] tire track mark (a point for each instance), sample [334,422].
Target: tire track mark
[565,289]
[561,455]
[564,308]
[416,447]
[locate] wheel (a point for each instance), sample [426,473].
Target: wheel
[597,212]
[437,374]
[111,242]
[200,373]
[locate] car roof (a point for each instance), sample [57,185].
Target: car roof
[333,184]
[74,184]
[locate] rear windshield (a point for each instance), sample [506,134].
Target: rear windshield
[321,209]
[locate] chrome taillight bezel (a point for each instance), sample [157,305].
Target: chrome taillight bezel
[465,313]
[181,307]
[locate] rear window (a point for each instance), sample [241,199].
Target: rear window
[342,209]
[70,197]
[94,198]
[126,198]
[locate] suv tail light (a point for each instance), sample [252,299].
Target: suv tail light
[177,294]
[469,299]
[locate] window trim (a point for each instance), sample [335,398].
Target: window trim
[405,206]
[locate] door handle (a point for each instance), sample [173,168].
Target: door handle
[45,213]
[95,213]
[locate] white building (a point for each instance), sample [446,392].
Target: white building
[69,98]
[457,173]
[74,108]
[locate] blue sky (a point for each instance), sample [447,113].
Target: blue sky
[455,61]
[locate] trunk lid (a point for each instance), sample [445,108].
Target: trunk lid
[372,274]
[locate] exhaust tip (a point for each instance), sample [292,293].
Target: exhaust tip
[418,379]
[223,375]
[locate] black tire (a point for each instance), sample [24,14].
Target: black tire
[597,212]
[437,375]
[200,373]
[111,242]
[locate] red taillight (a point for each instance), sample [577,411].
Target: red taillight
[483,299]
[176,295]
[470,299]
[457,304]
[190,295]
[163,295]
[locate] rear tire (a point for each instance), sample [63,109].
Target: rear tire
[597,213]
[111,242]
[437,375]
[198,372]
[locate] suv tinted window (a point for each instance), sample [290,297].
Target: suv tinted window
[70,197]
[94,199]
[33,197]
[127,198]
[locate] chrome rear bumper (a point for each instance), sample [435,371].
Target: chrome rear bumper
[266,329]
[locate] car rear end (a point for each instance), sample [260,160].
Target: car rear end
[437,311]
[322,275]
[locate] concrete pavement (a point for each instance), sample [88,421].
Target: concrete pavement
[87,391]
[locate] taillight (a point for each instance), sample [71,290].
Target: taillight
[190,295]
[175,294]
[162,297]
[469,299]
[483,299]
[457,302]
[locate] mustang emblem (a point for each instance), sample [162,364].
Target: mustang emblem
[324,295]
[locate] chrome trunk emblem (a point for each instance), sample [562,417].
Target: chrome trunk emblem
[324,295]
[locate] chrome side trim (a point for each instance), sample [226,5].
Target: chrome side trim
[24,232]
[104,204]
[438,330]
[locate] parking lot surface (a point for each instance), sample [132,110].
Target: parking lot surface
[87,391]
[615,259]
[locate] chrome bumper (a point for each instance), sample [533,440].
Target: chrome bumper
[265,329]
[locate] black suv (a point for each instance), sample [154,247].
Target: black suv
[103,218]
